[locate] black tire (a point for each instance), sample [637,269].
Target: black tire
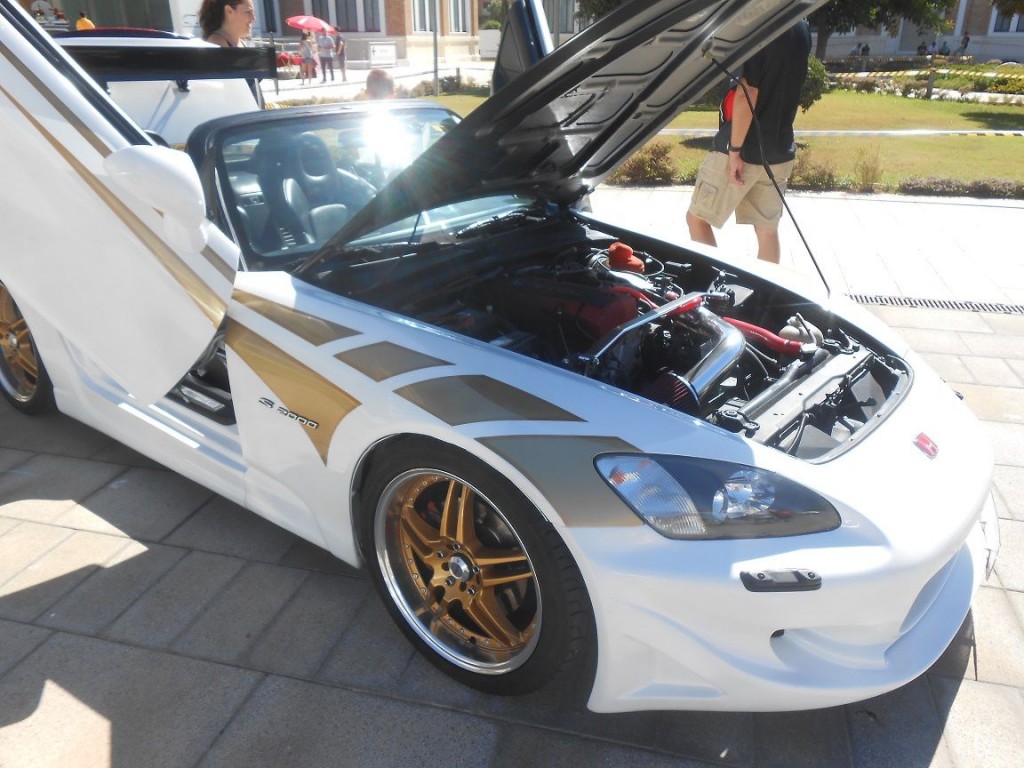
[24,382]
[481,584]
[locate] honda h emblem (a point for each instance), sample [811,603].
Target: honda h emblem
[927,445]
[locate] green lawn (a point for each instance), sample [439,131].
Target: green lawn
[882,160]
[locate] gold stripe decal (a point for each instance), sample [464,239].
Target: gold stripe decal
[225,269]
[70,117]
[302,389]
[311,329]
[470,399]
[562,468]
[383,360]
[207,300]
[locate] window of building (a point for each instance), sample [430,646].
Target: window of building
[1005,22]
[422,18]
[348,18]
[371,15]
[458,16]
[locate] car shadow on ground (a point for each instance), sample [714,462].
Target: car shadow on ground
[145,621]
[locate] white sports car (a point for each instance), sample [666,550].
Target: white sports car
[549,439]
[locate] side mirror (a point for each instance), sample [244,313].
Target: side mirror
[164,179]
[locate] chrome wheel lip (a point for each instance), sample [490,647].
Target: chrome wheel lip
[19,388]
[386,515]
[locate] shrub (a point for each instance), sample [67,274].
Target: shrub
[651,164]
[867,170]
[982,188]
[491,24]
[816,84]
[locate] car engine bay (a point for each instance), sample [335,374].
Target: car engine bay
[738,352]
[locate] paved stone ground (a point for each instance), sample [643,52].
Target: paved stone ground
[146,622]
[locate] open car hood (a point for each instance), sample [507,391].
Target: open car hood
[573,117]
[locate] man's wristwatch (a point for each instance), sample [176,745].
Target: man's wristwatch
[731,148]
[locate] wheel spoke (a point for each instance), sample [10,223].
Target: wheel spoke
[491,577]
[457,517]
[421,536]
[488,613]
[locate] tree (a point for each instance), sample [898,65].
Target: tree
[595,9]
[1009,7]
[847,15]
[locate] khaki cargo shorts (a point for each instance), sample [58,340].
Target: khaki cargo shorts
[756,202]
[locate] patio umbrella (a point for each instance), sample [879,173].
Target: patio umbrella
[312,23]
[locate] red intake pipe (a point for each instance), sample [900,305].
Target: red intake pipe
[771,340]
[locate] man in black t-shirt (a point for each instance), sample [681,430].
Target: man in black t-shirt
[732,177]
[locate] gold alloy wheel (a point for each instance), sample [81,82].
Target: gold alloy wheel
[19,365]
[457,571]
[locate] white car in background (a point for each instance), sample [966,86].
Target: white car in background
[548,438]
[168,83]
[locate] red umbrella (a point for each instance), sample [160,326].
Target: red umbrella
[312,23]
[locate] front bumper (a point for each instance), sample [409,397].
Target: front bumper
[704,642]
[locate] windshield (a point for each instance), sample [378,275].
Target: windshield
[289,185]
[439,243]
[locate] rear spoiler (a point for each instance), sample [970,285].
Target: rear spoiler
[107,63]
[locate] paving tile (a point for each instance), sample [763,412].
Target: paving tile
[1004,404]
[47,579]
[901,729]
[144,504]
[1017,366]
[1009,485]
[934,319]
[45,487]
[119,453]
[925,340]
[990,645]
[53,434]
[372,653]
[84,702]
[1010,563]
[12,458]
[792,739]
[296,723]
[519,746]
[236,618]
[1006,325]
[1007,440]
[24,544]
[982,722]
[993,371]
[112,589]
[170,606]
[950,367]
[226,528]
[16,642]
[300,637]
[991,345]
[303,554]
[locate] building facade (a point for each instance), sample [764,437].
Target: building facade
[376,32]
[993,36]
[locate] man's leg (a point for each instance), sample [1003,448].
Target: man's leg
[700,230]
[768,248]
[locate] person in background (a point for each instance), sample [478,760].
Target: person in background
[962,48]
[944,49]
[325,47]
[307,50]
[84,22]
[339,52]
[226,22]
[379,85]
[733,178]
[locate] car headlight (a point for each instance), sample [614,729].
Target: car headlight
[688,498]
